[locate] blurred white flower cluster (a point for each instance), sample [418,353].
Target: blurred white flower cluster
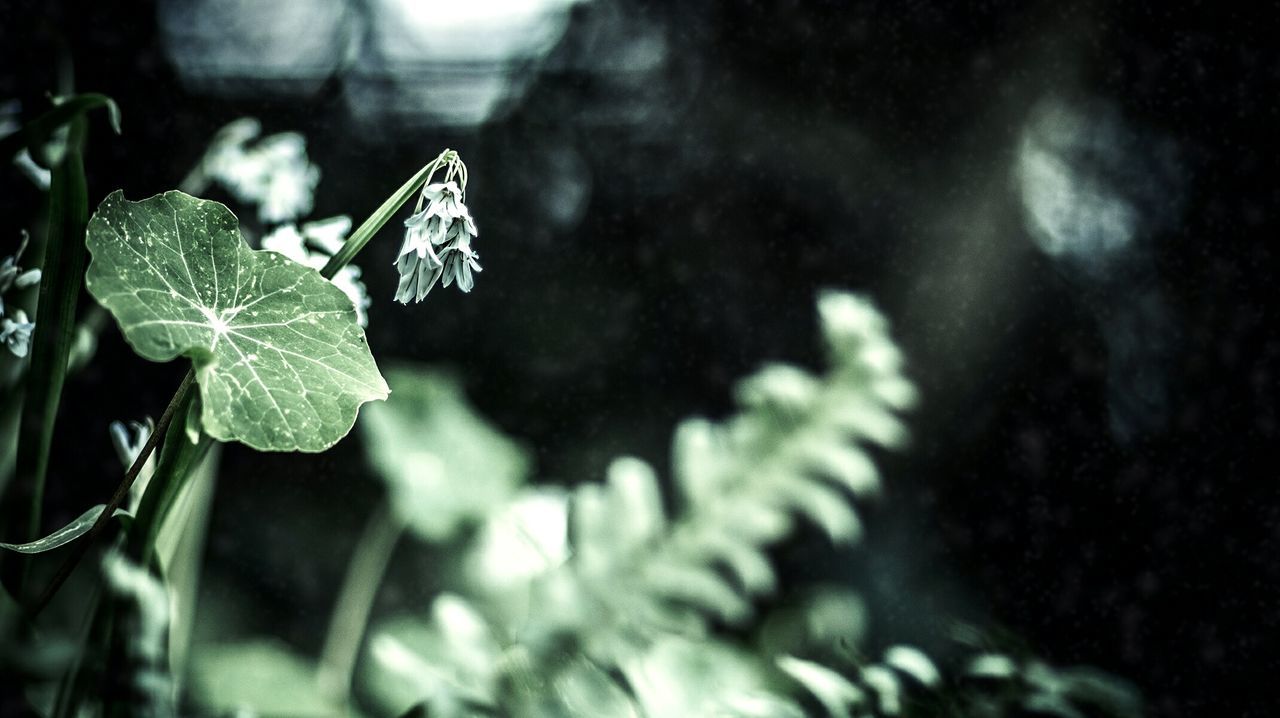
[312,245]
[273,173]
[15,327]
[437,238]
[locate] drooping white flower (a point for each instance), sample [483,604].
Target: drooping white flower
[313,245]
[444,199]
[15,333]
[437,244]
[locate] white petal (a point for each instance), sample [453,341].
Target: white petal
[27,278]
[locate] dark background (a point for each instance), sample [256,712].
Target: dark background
[779,148]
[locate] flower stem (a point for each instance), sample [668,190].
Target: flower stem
[179,456]
[79,548]
[384,213]
[355,602]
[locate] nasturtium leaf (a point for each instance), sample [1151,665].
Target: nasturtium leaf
[281,362]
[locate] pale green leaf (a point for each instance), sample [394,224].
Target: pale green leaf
[697,585]
[444,464]
[526,538]
[744,560]
[450,663]
[824,506]
[681,677]
[281,362]
[992,666]
[824,621]
[913,662]
[635,502]
[835,692]
[65,535]
[580,690]
[261,677]
[886,686]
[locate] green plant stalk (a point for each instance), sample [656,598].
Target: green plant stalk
[351,610]
[179,545]
[346,253]
[383,214]
[63,276]
[178,459]
[75,680]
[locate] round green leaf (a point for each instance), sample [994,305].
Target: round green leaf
[281,362]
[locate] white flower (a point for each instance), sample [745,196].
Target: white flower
[12,275]
[287,240]
[15,333]
[228,146]
[273,174]
[39,176]
[459,260]
[128,441]
[437,243]
[328,234]
[444,199]
[325,237]
[289,187]
[348,280]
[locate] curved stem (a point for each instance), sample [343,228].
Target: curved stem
[383,214]
[79,548]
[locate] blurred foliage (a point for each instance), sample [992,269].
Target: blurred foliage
[599,601]
[444,465]
[262,677]
[633,596]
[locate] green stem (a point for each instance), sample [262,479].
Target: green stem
[178,458]
[75,680]
[63,275]
[179,546]
[79,548]
[351,611]
[383,214]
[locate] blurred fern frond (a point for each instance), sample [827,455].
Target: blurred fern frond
[598,601]
[601,586]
